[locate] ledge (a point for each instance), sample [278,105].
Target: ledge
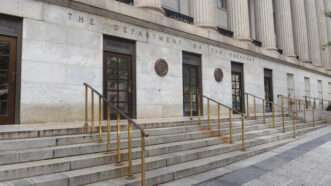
[136,16]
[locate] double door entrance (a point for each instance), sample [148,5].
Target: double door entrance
[7,79]
[119,76]
[192,84]
[237,78]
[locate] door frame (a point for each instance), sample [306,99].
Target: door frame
[11,26]
[197,63]
[122,46]
[237,67]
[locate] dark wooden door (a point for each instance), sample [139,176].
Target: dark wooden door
[237,92]
[191,87]
[118,81]
[7,79]
[268,93]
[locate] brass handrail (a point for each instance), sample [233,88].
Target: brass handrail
[282,108]
[305,107]
[231,111]
[108,106]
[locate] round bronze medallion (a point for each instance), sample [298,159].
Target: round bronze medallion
[161,67]
[218,74]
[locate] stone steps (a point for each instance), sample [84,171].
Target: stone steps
[41,142]
[157,146]
[92,160]
[42,153]
[37,131]
[38,142]
[202,164]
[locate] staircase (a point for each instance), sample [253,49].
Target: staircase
[67,157]
[70,155]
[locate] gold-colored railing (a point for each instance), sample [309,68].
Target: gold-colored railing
[273,108]
[317,103]
[219,107]
[301,105]
[105,105]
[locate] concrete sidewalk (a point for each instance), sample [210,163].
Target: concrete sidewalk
[306,162]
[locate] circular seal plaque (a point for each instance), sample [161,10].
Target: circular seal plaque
[218,74]
[161,67]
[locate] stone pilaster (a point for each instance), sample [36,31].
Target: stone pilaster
[204,13]
[300,30]
[322,24]
[313,32]
[154,5]
[284,27]
[328,8]
[265,28]
[239,19]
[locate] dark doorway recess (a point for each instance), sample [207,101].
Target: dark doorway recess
[192,83]
[237,78]
[119,75]
[10,68]
[268,89]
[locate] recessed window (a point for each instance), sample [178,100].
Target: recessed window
[130,2]
[221,4]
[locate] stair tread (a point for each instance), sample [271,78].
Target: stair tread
[187,165]
[109,167]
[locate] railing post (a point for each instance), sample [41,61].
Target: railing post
[199,107]
[92,112]
[118,139]
[108,129]
[247,100]
[304,112]
[243,148]
[294,124]
[142,156]
[219,119]
[283,114]
[263,110]
[273,115]
[86,109]
[313,112]
[130,175]
[230,126]
[208,105]
[255,108]
[100,118]
[191,105]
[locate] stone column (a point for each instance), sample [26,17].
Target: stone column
[328,7]
[154,5]
[313,32]
[322,23]
[239,19]
[204,13]
[265,28]
[300,30]
[284,27]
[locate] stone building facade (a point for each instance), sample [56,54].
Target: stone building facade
[263,47]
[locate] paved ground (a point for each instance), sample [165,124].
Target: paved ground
[306,164]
